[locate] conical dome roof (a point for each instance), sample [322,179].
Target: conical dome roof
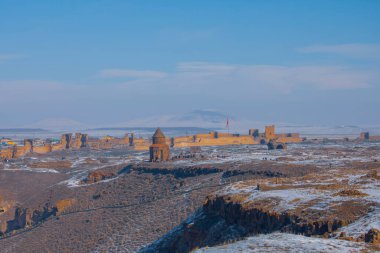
[159,133]
[158,137]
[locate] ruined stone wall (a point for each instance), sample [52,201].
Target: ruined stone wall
[184,138]
[28,145]
[209,135]
[224,135]
[47,148]
[285,139]
[374,138]
[19,151]
[253,132]
[126,139]
[7,153]
[141,144]
[66,140]
[221,141]
[270,132]
[106,143]
[288,138]
[364,136]
[80,141]
[57,147]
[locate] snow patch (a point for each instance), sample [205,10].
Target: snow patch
[282,242]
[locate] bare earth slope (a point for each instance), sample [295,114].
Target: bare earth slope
[114,201]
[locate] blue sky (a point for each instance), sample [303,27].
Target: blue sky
[106,62]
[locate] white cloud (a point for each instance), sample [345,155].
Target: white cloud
[205,67]
[370,51]
[274,77]
[131,73]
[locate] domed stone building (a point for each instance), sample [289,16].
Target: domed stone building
[159,150]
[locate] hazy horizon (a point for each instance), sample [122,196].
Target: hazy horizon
[102,63]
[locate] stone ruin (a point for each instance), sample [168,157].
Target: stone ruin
[272,145]
[159,150]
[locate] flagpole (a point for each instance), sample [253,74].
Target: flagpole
[228,125]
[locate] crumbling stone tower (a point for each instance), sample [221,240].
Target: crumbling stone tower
[66,140]
[253,132]
[81,140]
[159,150]
[270,133]
[28,145]
[364,136]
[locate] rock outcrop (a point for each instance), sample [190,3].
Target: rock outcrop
[25,217]
[97,176]
[372,236]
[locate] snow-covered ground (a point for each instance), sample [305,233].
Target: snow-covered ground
[325,154]
[282,242]
[320,193]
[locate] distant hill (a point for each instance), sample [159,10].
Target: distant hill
[198,118]
[209,116]
[147,131]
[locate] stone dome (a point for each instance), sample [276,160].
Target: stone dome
[158,137]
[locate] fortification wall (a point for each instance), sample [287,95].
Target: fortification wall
[7,153]
[288,138]
[374,138]
[225,135]
[365,136]
[57,147]
[183,138]
[47,148]
[20,151]
[285,139]
[270,132]
[141,144]
[106,143]
[209,139]
[209,135]
[221,141]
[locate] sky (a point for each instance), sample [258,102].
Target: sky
[104,62]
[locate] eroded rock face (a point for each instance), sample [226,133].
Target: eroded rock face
[97,176]
[243,209]
[25,217]
[373,236]
[179,172]
[64,204]
[223,219]
[22,218]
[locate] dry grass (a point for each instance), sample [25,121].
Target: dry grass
[52,165]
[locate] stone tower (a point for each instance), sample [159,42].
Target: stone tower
[269,133]
[364,136]
[81,140]
[159,150]
[253,132]
[66,140]
[28,145]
